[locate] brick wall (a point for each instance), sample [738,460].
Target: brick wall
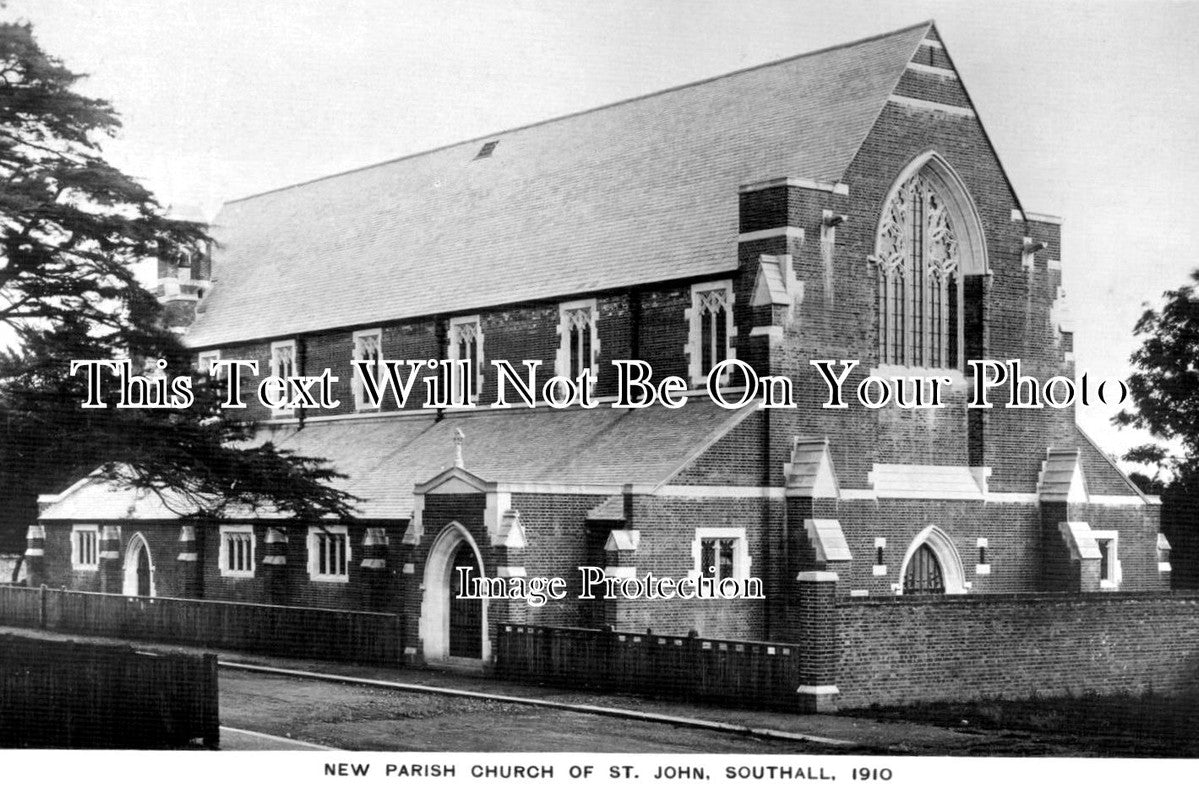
[171,576]
[515,333]
[1008,313]
[933,88]
[667,526]
[560,541]
[162,541]
[905,650]
[1012,531]
[1008,316]
[1025,550]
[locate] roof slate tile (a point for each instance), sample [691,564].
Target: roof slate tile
[636,192]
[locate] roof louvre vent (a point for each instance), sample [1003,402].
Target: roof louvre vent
[487,149]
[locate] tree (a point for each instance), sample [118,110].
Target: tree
[72,226]
[1165,389]
[1165,384]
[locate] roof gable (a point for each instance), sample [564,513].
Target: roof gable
[637,192]
[911,88]
[98,498]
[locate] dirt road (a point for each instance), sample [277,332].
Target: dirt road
[363,718]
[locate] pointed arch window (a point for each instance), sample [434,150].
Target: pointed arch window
[930,237]
[924,574]
[931,566]
[919,279]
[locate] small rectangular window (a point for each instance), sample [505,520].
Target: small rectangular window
[204,362]
[85,548]
[329,554]
[716,558]
[1107,542]
[237,552]
[879,567]
[983,567]
[720,553]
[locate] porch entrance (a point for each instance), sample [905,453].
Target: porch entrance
[453,630]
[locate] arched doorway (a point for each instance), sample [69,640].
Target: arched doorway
[932,565]
[139,568]
[453,627]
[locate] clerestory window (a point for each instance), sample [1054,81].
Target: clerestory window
[465,343]
[711,329]
[578,342]
[368,346]
[283,366]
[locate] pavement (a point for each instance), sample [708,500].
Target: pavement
[238,739]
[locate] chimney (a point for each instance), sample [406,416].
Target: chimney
[184,279]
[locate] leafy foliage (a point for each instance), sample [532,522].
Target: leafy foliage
[1165,384]
[72,226]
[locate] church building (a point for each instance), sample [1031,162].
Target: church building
[844,206]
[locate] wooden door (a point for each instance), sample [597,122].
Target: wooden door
[466,616]
[143,572]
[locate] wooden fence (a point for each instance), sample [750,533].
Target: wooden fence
[76,694]
[21,606]
[741,673]
[291,631]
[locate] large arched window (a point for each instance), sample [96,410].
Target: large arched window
[929,237]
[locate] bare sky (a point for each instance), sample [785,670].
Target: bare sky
[1091,105]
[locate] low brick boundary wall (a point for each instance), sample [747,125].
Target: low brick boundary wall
[740,673]
[83,695]
[901,650]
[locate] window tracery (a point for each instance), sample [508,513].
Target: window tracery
[919,278]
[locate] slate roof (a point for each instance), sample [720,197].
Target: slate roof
[384,458]
[92,499]
[639,191]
